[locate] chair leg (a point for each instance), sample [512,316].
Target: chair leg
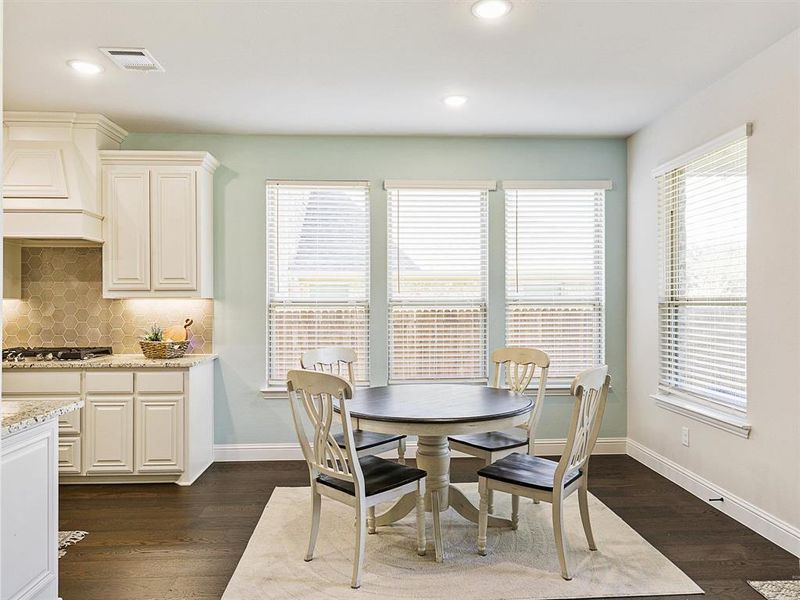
[514,511]
[371,520]
[483,514]
[421,541]
[558,530]
[583,502]
[490,496]
[437,527]
[316,501]
[361,540]
[401,451]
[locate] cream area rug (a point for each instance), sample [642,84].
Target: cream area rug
[67,539]
[520,564]
[777,590]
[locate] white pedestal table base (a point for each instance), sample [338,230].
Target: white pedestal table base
[433,456]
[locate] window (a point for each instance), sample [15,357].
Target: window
[555,275]
[437,280]
[318,272]
[703,299]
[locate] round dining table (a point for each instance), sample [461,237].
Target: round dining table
[434,411]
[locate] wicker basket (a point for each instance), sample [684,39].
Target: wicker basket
[167,349]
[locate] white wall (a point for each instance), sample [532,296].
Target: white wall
[764,470]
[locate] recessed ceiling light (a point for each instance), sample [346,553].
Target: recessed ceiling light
[455,101]
[87,68]
[491,9]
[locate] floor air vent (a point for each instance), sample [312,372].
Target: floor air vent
[132,59]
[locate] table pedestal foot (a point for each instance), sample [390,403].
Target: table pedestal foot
[433,456]
[399,510]
[469,511]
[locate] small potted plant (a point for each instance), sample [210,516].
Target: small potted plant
[155,345]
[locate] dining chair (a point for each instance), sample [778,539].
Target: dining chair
[547,480]
[518,366]
[340,474]
[339,361]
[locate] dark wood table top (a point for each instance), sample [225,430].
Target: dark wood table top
[436,403]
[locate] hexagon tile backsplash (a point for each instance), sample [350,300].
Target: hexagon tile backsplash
[62,305]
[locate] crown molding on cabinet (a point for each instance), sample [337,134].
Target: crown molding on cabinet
[160,157]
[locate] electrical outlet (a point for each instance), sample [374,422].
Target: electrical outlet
[685,436]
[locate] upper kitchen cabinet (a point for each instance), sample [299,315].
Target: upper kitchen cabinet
[158,226]
[51,174]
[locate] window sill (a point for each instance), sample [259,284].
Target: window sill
[720,419]
[274,393]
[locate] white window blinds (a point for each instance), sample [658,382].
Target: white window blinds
[437,283]
[318,272]
[555,292]
[703,298]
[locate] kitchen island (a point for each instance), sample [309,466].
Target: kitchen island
[29,497]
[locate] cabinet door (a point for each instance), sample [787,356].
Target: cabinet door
[174,226]
[108,437]
[69,455]
[126,252]
[159,434]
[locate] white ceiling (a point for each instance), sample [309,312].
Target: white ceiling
[382,66]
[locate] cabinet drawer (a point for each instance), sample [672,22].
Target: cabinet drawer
[38,382]
[69,455]
[70,423]
[109,382]
[159,382]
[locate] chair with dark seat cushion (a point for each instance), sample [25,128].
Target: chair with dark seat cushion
[338,473]
[549,481]
[529,471]
[368,443]
[379,476]
[339,361]
[494,441]
[519,367]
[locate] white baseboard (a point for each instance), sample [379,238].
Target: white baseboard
[774,529]
[291,451]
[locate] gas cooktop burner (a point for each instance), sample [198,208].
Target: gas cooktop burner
[19,353]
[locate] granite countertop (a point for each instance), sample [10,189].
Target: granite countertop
[19,415]
[115,361]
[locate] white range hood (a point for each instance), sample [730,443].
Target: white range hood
[51,177]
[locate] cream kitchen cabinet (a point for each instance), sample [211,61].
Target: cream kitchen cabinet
[158,226]
[109,434]
[138,424]
[159,447]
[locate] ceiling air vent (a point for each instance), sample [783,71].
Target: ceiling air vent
[132,59]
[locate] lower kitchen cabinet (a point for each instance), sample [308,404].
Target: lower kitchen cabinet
[109,434]
[159,434]
[146,425]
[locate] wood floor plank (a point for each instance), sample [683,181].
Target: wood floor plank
[165,542]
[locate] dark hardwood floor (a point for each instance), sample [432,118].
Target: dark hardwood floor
[164,542]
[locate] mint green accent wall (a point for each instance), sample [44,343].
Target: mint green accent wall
[242,414]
